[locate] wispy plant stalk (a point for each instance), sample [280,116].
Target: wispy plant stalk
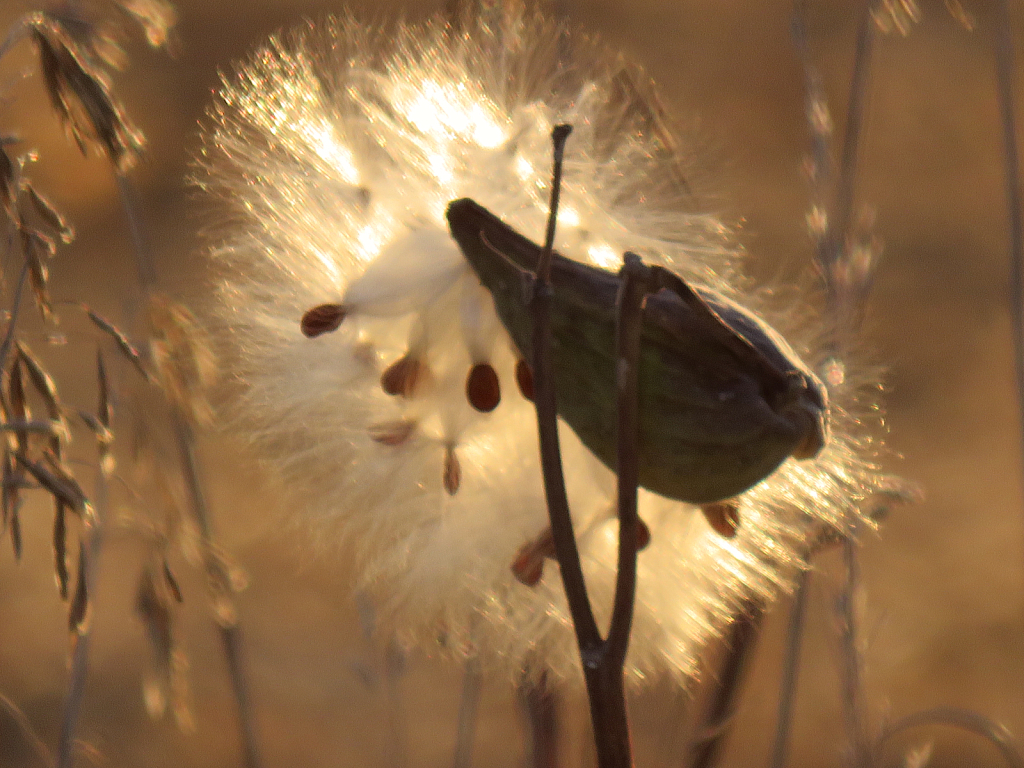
[94,533]
[834,191]
[469,704]
[73,71]
[541,704]
[740,644]
[790,670]
[1005,70]
[185,438]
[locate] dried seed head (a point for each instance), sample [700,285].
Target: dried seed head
[123,343]
[35,248]
[60,554]
[8,182]
[80,93]
[156,17]
[19,408]
[482,387]
[44,385]
[48,213]
[183,357]
[322,319]
[79,611]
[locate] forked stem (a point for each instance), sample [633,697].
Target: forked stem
[603,658]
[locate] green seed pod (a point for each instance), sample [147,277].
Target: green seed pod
[723,398]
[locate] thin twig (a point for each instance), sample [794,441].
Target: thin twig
[1005,69]
[963,719]
[144,263]
[842,208]
[469,703]
[18,32]
[5,347]
[94,518]
[541,706]
[852,687]
[230,634]
[587,634]
[790,670]
[38,746]
[834,248]
[80,655]
[740,644]
[816,108]
[186,443]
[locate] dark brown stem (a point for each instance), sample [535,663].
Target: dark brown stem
[587,634]
[559,136]
[604,666]
[635,285]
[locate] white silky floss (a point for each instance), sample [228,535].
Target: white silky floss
[329,160]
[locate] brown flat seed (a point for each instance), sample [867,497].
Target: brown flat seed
[723,517]
[524,378]
[482,387]
[322,319]
[643,535]
[404,376]
[528,565]
[452,471]
[392,432]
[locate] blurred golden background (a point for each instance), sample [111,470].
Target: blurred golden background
[943,614]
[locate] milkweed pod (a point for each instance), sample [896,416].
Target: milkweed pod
[723,398]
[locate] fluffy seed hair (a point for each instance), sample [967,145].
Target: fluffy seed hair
[329,160]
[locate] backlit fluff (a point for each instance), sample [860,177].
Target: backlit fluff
[329,160]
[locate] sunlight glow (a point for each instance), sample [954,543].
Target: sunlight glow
[602,255]
[449,109]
